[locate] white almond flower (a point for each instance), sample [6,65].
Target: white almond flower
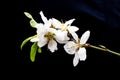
[49,36]
[46,36]
[60,36]
[77,48]
[39,26]
[65,27]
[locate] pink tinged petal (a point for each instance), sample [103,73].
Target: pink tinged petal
[70,47]
[82,54]
[67,23]
[52,45]
[76,60]
[85,37]
[42,41]
[43,17]
[34,39]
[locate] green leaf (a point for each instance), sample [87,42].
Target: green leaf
[39,50]
[26,40]
[33,23]
[28,15]
[33,52]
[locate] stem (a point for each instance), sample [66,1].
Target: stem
[102,49]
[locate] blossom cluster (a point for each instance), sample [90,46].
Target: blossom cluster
[53,32]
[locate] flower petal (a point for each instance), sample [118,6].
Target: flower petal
[73,29]
[43,17]
[56,23]
[48,24]
[52,45]
[42,41]
[76,60]
[75,36]
[67,23]
[70,47]
[34,39]
[82,54]
[61,36]
[38,25]
[41,31]
[85,37]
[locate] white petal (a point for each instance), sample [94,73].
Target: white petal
[52,45]
[85,37]
[52,30]
[38,25]
[56,23]
[69,22]
[43,17]
[61,36]
[62,42]
[82,54]
[76,60]
[40,29]
[42,41]
[75,36]
[48,24]
[73,29]
[70,47]
[34,39]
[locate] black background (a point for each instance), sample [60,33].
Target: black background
[60,62]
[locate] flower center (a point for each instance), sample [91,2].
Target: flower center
[49,35]
[64,28]
[78,43]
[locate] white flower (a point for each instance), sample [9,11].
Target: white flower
[49,36]
[60,36]
[46,36]
[65,27]
[77,48]
[40,26]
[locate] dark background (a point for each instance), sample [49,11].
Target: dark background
[101,17]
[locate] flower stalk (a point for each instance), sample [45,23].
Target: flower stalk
[102,49]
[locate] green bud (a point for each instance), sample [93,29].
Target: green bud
[28,15]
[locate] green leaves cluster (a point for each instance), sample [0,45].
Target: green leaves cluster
[34,48]
[32,21]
